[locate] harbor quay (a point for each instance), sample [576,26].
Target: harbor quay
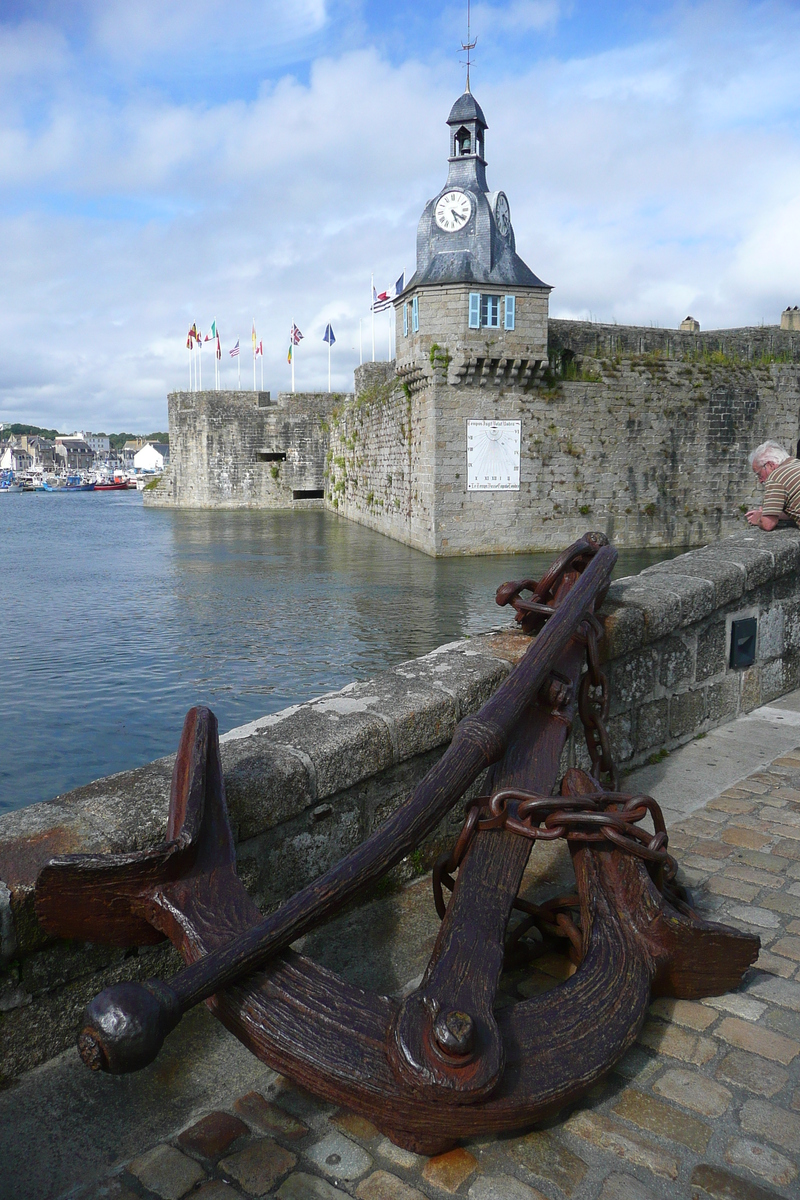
[705,1102]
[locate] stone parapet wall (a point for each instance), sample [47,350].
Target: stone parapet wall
[238,450]
[307,784]
[587,339]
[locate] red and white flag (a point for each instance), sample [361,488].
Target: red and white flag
[260,349]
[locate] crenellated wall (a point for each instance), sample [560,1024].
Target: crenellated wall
[307,784]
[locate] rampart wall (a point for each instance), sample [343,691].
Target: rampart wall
[307,784]
[644,433]
[239,450]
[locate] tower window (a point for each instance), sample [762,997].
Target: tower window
[463,141]
[490,311]
[510,306]
[415,314]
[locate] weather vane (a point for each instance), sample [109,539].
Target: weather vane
[468,45]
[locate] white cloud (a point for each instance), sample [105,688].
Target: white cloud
[645,182]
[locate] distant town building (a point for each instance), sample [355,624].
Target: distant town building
[41,449]
[98,442]
[15,458]
[790,318]
[131,449]
[690,325]
[74,454]
[152,457]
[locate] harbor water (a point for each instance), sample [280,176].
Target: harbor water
[115,619]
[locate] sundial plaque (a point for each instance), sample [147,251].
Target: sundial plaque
[493,456]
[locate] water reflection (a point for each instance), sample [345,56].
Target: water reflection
[114,620]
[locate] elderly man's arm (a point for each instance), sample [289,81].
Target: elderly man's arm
[756,517]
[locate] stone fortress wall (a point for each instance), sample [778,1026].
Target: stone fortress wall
[642,432]
[307,784]
[242,450]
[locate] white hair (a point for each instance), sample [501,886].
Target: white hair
[767,452]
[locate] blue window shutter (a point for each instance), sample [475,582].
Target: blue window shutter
[511,304]
[415,314]
[474,310]
[405,320]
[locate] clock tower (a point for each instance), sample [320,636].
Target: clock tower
[471,337]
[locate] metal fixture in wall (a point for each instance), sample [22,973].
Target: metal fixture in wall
[743,642]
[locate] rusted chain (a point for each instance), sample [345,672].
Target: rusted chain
[593,818]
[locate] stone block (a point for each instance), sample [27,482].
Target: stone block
[265,783]
[631,679]
[301,1186]
[714,1183]
[760,1160]
[722,700]
[692,1090]
[648,1113]
[652,725]
[660,607]
[751,554]
[614,1138]
[771,639]
[727,577]
[213,1134]
[381,1185]
[448,1171]
[167,1172]
[269,1118]
[624,1187]
[752,1072]
[687,712]
[458,670]
[712,646]
[620,734]
[624,629]
[420,717]
[676,662]
[773,1124]
[757,1040]
[547,1158]
[697,595]
[502,1187]
[339,1158]
[259,1166]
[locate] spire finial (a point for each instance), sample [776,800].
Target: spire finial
[468,45]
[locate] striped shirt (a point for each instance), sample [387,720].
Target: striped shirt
[782,491]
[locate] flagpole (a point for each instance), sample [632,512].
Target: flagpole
[200,363]
[372,306]
[294,348]
[360,341]
[190,368]
[239,371]
[262,368]
[329,368]
[254,353]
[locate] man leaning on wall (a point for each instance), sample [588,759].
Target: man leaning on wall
[780,475]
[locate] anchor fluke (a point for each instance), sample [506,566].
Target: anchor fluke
[124,1026]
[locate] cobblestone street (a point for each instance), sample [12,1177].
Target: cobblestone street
[707,1104]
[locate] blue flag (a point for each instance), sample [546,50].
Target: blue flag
[328,335]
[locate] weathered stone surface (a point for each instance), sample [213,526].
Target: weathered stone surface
[756,1074]
[502,1187]
[676,662]
[676,1043]
[651,1114]
[761,1161]
[448,1171]
[380,1185]
[625,1187]
[757,1040]
[301,1186]
[778,991]
[549,1159]
[397,1155]
[167,1172]
[771,1124]
[338,1157]
[718,1184]
[683,1012]
[354,1125]
[711,650]
[212,1135]
[695,1091]
[269,1118]
[259,1166]
[614,1138]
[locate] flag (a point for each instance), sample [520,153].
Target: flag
[401,283]
[234,353]
[328,336]
[295,335]
[260,349]
[380,300]
[253,335]
[219,349]
[210,337]
[192,337]
[289,355]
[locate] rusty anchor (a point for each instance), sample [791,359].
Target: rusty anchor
[444,1063]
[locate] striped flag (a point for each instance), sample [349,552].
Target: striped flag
[380,300]
[234,353]
[219,348]
[210,337]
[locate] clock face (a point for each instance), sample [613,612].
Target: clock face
[502,215]
[493,456]
[453,210]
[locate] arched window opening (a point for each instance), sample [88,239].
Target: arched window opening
[463,141]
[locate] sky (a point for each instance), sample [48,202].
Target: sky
[169,163]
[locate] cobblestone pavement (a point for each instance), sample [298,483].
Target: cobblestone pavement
[707,1104]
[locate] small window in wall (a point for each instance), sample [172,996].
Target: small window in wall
[463,141]
[405,320]
[308,494]
[490,311]
[272,455]
[415,314]
[510,313]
